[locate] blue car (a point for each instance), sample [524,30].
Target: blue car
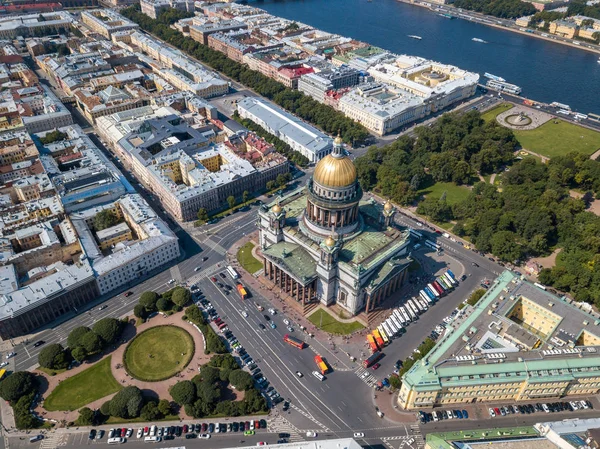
[273,325]
[465,414]
[459,414]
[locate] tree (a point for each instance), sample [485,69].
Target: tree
[150,412]
[108,329]
[105,408]
[395,382]
[148,300]
[74,338]
[245,196]
[86,417]
[127,403]
[140,311]
[475,296]
[283,179]
[208,393]
[231,201]
[241,380]
[183,392]
[53,136]
[16,385]
[164,407]
[91,343]
[209,374]
[181,296]
[223,361]
[105,219]
[164,304]
[79,354]
[53,356]
[271,185]
[202,214]
[195,315]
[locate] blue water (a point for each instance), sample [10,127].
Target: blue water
[545,71]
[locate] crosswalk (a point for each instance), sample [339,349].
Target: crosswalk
[366,376]
[203,274]
[311,417]
[214,246]
[54,440]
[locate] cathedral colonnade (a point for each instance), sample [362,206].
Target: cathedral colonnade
[375,298]
[288,285]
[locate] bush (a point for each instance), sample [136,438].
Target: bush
[150,412]
[54,357]
[223,361]
[181,296]
[241,380]
[183,392]
[16,385]
[75,336]
[86,417]
[209,374]
[105,219]
[195,315]
[475,296]
[164,407]
[148,300]
[140,311]
[108,329]
[127,403]
[164,304]
[23,417]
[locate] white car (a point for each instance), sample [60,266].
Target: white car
[139,433]
[272,311]
[365,375]
[3,364]
[171,281]
[311,434]
[299,374]
[492,412]
[244,314]
[129,433]
[197,268]
[204,436]
[286,321]
[11,354]
[159,432]
[359,435]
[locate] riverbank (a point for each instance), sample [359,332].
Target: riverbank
[492,21]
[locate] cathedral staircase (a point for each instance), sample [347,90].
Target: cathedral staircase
[310,308]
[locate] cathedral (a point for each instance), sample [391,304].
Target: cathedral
[324,243]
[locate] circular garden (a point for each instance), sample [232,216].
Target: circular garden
[158,353]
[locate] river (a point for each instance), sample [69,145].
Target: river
[546,71]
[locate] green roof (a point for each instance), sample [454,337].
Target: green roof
[294,260]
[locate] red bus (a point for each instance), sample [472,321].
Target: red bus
[373,359]
[294,341]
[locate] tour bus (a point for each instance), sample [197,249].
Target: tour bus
[594,117]
[117,440]
[449,279]
[388,330]
[580,116]
[410,312]
[152,439]
[396,322]
[399,316]
[444,282]
[439,286]
[373,359]
[429,293]
[415,234]
[383,334]
[538,285]
[423,303]
[404,314]
[392,325]
[231,271]
[432,245]
[433,290]
[416,309]
[294,341]
[425,297]
[451,274]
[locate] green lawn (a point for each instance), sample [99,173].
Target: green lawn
[556,139]
[326,322]
[492,113]
[244,256]
[454,193]
[159,353]
[87,386]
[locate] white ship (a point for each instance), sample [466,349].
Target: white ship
[503,87]
[412,36]
[493,77]
[476,39]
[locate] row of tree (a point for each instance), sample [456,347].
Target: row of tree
[294,156]
[82,342]
[214,343]
[19,389]
[506,9]
[206,393]
[323,116]
[455,149]
[171,300]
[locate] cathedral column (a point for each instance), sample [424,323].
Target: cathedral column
[297,290]
[368,302]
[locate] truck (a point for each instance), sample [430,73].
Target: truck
[242,291]
[372,359]
[372,343]
[293,341]
[378,338]
[321,365]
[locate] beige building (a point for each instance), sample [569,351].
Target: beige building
[564,28]
[519,343]
[109,237]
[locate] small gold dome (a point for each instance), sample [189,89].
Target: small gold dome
[332,171]
[329,242]
[338,140]
[388,206]
[276,209]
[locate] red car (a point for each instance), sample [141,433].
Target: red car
[374,367]
[214,279]
[256,425]
[128,294]
[185,428]
[204,427]
[123,432]
[497,411]
[146,431]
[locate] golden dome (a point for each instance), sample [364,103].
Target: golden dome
[330,242]
[338,140]
[388,206]
[276,209]
[335,171]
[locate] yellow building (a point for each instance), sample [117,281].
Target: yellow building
[109,237]
[519,343]
[564,28]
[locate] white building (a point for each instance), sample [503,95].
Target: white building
[153,8]
[300,136]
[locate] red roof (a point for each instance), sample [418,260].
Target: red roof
[34,6]
[295,72]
